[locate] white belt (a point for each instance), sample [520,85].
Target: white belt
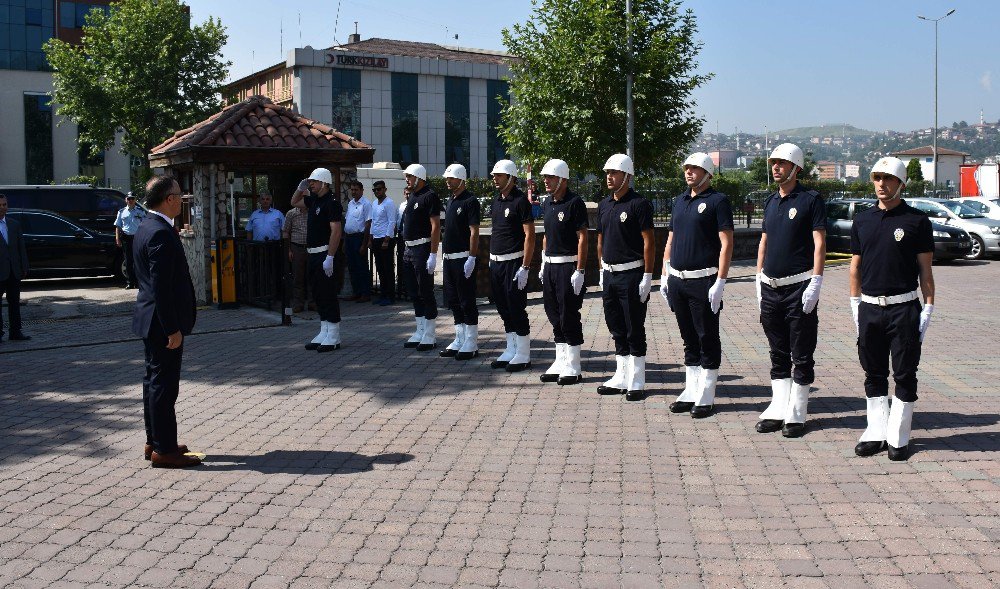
[506,257]
[893,300]
[320,249]
[416,242]
[688,274]
[794,279]
[559,259]
[457,256]
[622,267]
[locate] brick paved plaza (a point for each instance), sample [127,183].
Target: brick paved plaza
[379,466]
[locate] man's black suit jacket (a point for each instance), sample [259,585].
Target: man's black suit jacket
[13,253]
[166,293]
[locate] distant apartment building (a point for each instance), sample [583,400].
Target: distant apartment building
[724,158]
[830,170]
[852,170]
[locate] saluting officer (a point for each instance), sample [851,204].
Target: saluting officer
[695,268]
[625,246]
[892,246]
[421,236]
[790,261]
[460,246]
[564,258]
[324,227]
[511,246]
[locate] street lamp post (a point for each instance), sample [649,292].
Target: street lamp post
[934,151]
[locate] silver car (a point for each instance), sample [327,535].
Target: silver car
[985,232]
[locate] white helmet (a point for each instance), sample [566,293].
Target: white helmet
[557,168]
[701,160]
[323,175]
[788,152]
[890,165]
[456,171]
[417,171]
[505,167]
[620,162]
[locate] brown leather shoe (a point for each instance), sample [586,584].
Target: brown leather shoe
[173,460]
[147,451]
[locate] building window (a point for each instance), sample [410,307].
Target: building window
[37,139]
[347,101]
[456,121]
[497,97]
[405,144]
[25,25]
[90,165]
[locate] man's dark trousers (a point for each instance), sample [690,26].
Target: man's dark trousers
[791,332]
[460,292]
[562,305]
[129,258]
[12,288]
[419,282]
[624,313]
[512,302]
[357,265]
[383,265]
[884,332]
[698,325]
[160,388]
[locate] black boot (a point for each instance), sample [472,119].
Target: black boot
[702,411]
[793,430]
[766,426]
[899,454]
[869,448]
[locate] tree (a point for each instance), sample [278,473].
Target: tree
[142,69]
[568,84]
[758,170]
[913,171]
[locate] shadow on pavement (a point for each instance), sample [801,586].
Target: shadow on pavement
[303,462]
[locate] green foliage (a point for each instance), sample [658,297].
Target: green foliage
[88,180]
[913,171]
[568,87]
[143,69]
[758,170]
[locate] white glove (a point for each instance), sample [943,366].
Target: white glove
[328,266]
[432,260]
[600,279]
[757,280]
[541,272]
[470,265]
[664,289]
[521,278]
[810,296]
[303,186]
[925,319]
[645,285]
[855,304]
[715,294]
[576,280]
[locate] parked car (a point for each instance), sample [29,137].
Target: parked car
[988,207]
[59,247]
[985,233]
[950,242]
[92,208]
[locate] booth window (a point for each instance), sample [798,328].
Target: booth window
[37,138]
[347,101]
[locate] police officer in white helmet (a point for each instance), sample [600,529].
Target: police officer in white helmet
[324,227]
[696,263]
[892,247]
[625,246]
[421,237]
[790,261]
[459,247]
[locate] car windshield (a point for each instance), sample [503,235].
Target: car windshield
[962,210]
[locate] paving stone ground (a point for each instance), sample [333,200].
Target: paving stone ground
[376,466]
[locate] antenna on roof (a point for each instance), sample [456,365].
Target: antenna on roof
[281,35]
[300,28]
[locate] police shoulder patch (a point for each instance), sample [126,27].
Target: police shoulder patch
[561,215]
[506,212]
[898,234]
[702,207]
[792,212]
[624,216]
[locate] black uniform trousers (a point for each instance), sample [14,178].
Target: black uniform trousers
[419,282]
[384,265]
[791,332]
[460,292]
[624,313]
[129,257]
[698,325]
[324,288]
[160,388]
[893,331]
[562,305]
[12,288]
[512,302]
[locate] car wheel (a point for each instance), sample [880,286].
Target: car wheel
[119,267]
[978,251]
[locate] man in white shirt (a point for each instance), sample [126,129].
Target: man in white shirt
[357,229]
[382,225]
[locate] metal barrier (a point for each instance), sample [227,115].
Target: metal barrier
[263,278]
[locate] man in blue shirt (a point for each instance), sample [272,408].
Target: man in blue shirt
[126,224]
[357,231]
[265,223]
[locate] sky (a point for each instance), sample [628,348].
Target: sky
[776,64]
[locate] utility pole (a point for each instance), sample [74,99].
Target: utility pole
[934,150]
[629,113]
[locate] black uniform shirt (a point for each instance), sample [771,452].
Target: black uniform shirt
[562,220]
[463,213]
[322,210]
[417,214]
[509,216]
[621,223]
[789,223]
[695,223]
[888,243]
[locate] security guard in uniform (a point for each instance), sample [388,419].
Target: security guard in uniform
[459,247]
[892,246]
[421,236]
[696,263]
[625,246]
[324,227]
[564,258]
[790,261]
[512,245]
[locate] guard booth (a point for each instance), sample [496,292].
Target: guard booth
[226,162]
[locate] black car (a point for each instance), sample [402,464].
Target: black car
[950,243]
[59,247]
[93,208]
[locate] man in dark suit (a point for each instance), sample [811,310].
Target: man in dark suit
[13,269]
[164,314]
